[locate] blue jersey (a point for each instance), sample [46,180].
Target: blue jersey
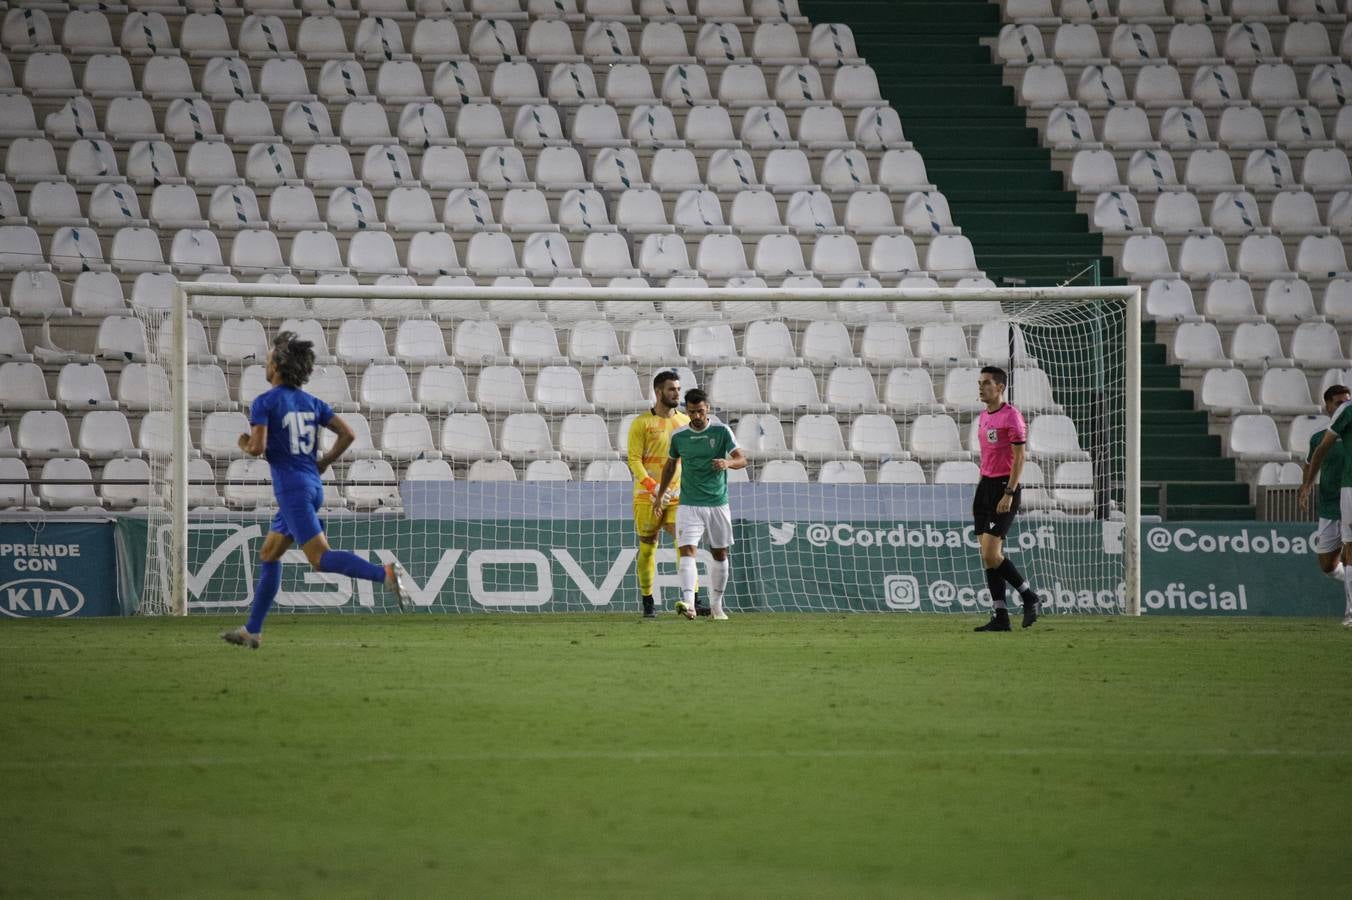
[293,419]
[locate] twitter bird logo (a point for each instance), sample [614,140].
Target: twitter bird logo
[782,534]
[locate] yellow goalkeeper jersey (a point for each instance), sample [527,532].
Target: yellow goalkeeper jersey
[649,441]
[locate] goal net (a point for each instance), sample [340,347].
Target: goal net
[492,431]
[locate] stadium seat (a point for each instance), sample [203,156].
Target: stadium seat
[1268,169]
[1295,212]
[837,471]
[548,470]
[491,470]
[1052,436]
[1257,344]
[207,387]
[735,389]
[1337,301]
[616,389]
[761,437]
[794,389]
[956,471]
[406,436]
[1285,391]
[81,386]
[65,496]
[607,470]
[372,484]
[23,386]
[12,346]
[943,345]
[420,341]
[850,389]
[1321,257]
[934,437]
[1289,300]
[896,471]
[534,342]
[361,341]
[526,436]
[220,434]
[248,484]
[1275,473]
[875,436]
[585,437]
[1254,438]
[1031,391]
[442,388]
[50,203]
[1225,392]
[910,391]
[559,389]
[385,388]
[1229,300]
[1261,257]
[491,254]
[122,338]
[241,341]
[97,294]
[1235,212]
[140,386]
[329,384]
[502,389]
[547,255]
[1317,344]
[818,437]
[776,471]
[16,491]
[465,436]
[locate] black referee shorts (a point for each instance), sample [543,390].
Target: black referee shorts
[986,520]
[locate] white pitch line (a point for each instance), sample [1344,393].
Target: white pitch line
[654,755]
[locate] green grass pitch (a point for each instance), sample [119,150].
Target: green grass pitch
[605,756]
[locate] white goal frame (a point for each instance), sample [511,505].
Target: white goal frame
[1130,296]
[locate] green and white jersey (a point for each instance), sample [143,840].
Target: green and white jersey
[1341,426]
[701,483]
[1331,474]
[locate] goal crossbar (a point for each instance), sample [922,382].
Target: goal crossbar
[1129,296]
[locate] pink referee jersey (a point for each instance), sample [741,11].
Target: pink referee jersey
[1000,431]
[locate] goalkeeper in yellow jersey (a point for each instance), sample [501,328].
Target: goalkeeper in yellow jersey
[649,439]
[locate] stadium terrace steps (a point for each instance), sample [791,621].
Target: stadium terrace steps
[975,140]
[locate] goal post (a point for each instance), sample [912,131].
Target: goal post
[1073,355]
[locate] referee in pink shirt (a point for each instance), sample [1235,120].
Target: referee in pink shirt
[1003,434]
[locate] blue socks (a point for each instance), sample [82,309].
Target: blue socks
[350,564]
[269,580]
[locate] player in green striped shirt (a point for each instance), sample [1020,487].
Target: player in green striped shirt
[1328,452]
[706,449]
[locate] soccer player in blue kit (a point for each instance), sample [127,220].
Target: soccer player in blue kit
[285,428]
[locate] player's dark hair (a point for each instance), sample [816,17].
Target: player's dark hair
[662,378]
[695,395]
[1334,390]
[294,358]
[997,374]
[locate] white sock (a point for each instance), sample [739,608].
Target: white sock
[718,582]
[686,570]
[1338,572]
[1347,590]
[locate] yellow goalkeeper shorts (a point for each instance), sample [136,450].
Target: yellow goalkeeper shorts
[644,524]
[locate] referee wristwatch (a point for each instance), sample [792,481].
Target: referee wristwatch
[1010,492]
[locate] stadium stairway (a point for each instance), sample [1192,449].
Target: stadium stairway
[981,153]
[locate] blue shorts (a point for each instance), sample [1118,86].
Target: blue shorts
[298,514]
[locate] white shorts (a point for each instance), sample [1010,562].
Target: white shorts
[1328,536]
[694,522]
[1345,507]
